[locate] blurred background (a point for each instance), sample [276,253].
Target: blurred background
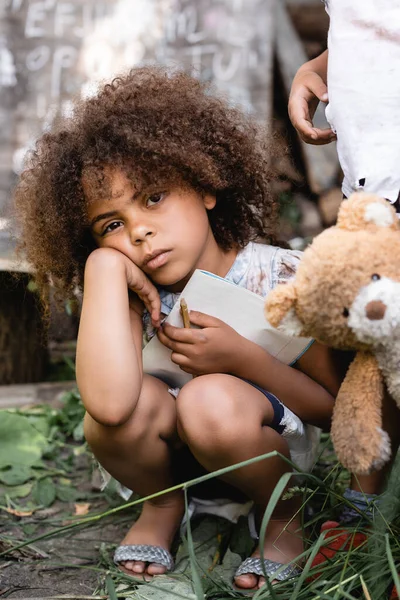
[54,51]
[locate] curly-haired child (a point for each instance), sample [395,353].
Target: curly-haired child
[151,179]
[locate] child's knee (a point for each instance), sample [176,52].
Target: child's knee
[153,415]
[208,415]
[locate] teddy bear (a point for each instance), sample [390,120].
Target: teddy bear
[346,294]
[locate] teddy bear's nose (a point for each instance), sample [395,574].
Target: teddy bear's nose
[375,310]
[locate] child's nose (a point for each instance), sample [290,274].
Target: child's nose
[140,232]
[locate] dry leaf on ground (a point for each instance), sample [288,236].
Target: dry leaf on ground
[81,509]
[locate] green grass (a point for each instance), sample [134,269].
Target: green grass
[212,549]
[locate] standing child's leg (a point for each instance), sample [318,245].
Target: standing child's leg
[138,454]
[225,420]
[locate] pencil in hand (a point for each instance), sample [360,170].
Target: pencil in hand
[185,314]
[185,317]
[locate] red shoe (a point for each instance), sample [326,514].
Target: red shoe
[344,540]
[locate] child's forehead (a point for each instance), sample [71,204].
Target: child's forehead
[109,183]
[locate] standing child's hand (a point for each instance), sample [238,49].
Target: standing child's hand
[215,348]
[308,89]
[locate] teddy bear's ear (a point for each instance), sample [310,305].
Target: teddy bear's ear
[368,212]
[280,309]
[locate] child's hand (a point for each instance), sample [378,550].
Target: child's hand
[214,348]
[109,260]
[139,283]
[308,88]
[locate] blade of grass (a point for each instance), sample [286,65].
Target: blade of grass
[198,588]
[335,587]
[307,566]
[112,592]
[274,499]
[393,569]
[365,589]
[344,594]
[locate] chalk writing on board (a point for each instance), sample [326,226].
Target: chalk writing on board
[8,75]
[56,50]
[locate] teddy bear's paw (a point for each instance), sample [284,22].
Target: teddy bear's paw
[359,451]
[291,324]
[386,451]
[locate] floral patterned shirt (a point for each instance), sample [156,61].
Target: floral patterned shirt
[257,267]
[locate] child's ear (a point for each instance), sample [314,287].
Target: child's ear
[280,309]
[209,201]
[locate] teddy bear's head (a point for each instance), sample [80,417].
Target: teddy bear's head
[346,292]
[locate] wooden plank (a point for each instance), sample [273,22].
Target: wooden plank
[16,396]
[8,260]
[303,3]
[11,264]
[311,21]
[321,162]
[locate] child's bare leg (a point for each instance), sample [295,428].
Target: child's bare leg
[138,454]
[224,420]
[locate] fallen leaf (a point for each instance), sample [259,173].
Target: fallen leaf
[19,513]
[81,509]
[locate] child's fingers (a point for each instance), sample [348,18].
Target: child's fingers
[151,299]
[308,133]
[303,102]
[181,334]
[181,349]
[178,347]
[202,320]
[299,113]
[324,136]
[317,137]
[318,88]
[183,362]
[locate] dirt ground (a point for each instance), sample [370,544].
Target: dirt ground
[26,574]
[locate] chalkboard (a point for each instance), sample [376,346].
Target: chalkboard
[52,51]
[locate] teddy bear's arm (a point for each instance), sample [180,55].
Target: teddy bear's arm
[279,309]
[360,443]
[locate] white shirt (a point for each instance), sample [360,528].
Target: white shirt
[364,93]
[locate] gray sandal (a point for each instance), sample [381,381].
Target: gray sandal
[149,554]
[253,566]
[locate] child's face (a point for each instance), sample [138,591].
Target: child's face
[165,231]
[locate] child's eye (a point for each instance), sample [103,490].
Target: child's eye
[111,227]
[155,198]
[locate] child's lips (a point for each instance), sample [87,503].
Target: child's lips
[159,260]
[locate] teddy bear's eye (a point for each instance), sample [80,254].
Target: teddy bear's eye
[345,312]
[375,277]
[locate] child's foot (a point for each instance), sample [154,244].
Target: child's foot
[156,526]
[283,543]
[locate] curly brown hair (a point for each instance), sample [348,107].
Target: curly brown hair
[157,125]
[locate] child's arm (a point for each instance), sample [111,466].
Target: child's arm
[308,88]
[109,350]
[308,390]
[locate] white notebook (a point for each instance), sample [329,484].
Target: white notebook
[238,307]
